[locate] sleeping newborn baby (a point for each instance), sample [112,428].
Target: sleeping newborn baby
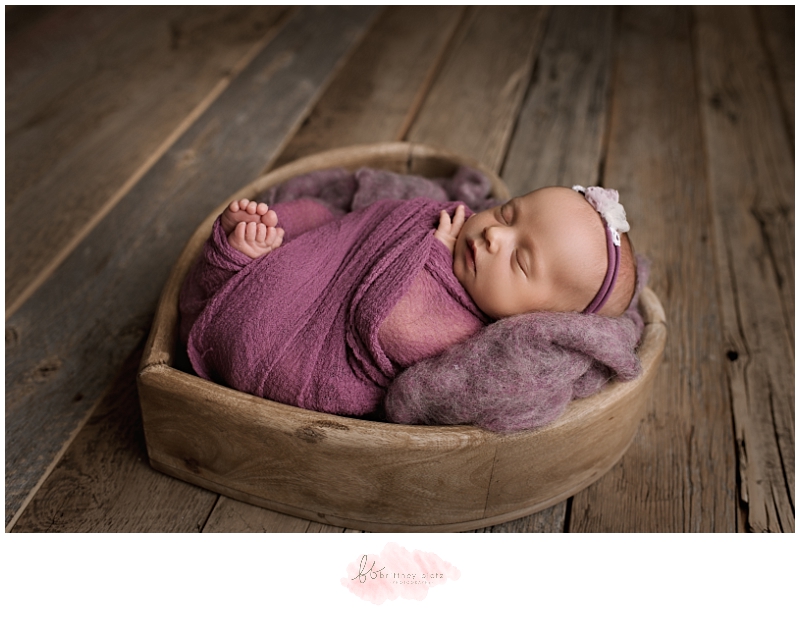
[297,305]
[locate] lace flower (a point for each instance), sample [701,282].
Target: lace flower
[606,202]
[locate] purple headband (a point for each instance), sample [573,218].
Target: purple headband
[606,203]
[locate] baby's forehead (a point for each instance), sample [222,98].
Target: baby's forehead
[558,206]
[555,197]
[561,220]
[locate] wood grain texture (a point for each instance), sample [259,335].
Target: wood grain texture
[474,102]
[104,482]
[235,516]
[66,343]
[679,474]
[558,139]
[751,189]
[43,39]
[39,39]
[81,126]
[549,520]
[376,94]
[777,25]
[559,135]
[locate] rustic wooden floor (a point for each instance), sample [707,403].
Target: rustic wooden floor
[125,126]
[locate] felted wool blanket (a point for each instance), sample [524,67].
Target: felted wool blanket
[300,324]
[521,372]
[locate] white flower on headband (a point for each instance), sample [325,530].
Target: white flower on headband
[606,202]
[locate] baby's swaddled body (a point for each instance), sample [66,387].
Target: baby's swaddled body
[329,319]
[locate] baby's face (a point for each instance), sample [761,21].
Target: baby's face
[543,251]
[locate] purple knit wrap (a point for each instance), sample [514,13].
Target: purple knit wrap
[301,324]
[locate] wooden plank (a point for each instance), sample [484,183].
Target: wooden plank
[560,131]
[234,516]
[476,97]
[546,521]
[777,24]
[679,474]
[378,91]
[558,139]
[43,39]
[66,343]
[318,527]
[80,128]
[751,189]
[104,482]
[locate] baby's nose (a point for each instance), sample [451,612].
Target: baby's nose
[494,237]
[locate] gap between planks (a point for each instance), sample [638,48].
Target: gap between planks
[187,122]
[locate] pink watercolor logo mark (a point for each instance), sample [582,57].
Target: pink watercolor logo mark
[397,572]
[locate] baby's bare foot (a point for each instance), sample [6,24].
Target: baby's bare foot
[247,211]
[255,239]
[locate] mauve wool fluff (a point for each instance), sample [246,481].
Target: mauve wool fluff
[520,372]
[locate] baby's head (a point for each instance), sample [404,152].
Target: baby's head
[548,250]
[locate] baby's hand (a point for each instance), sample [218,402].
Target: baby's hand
[448,230]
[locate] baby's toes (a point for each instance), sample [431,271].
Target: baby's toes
[240,230]
[270,235]
[261,208]
[261,234]
[269,218]
[251,229]
[279,232]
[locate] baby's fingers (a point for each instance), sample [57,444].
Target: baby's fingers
[444,222]
[458,219]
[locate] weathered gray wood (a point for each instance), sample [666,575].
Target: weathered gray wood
[751,189]
[547,521]
[234,516]
[679,474]
[318,527]
[476,97]
[45,40]
[84,126]
[104,482]
[777,23]
[558,139]
[64,345]
[559,135]
[378,91]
